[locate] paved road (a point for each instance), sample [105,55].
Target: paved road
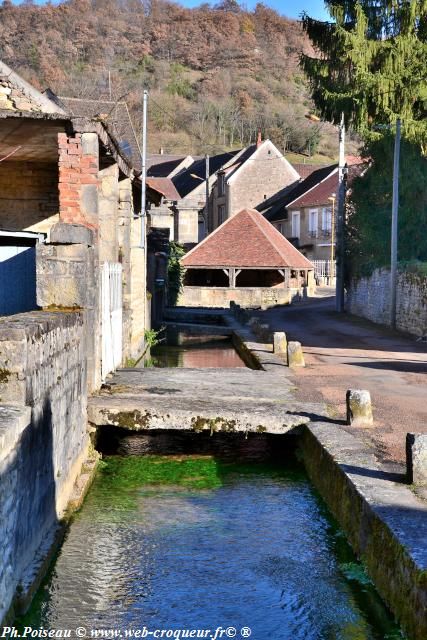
[345,352]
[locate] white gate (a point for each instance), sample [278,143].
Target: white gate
[112,317]
[324,270]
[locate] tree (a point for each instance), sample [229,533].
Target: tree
[372,64]
[369,223]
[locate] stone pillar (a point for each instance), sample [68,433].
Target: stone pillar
[67,278]
[78,178]
[108,210]
[124,222]
[359,408]
[138,305]
[295,355]
[416,458]
[280,343]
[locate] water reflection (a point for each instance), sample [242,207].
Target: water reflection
[258,551]
[183,349]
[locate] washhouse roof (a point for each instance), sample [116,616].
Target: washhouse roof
[248,241]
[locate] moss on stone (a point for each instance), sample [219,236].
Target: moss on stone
[133,420]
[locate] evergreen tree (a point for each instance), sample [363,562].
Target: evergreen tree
[371,64]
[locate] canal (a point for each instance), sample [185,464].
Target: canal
[193,542]
[181,348]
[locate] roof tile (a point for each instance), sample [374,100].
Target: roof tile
[246,240]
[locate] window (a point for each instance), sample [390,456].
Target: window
[312,222]
[295,224]
[221,184]
[281,228]
[327,221]
[221,213]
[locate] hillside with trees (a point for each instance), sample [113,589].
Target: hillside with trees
[216,74]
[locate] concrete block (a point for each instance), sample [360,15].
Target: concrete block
[295,355]
[359,408]
[416,458]
[90,145]
[280,343]
[62,233]
[89,199]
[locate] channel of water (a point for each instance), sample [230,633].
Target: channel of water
[201,542]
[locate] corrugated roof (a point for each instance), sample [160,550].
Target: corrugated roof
[116,116]
[246,240]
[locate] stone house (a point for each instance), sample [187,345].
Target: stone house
[304,215]
[252,176]
[68,232]
[190,210]
[253,268]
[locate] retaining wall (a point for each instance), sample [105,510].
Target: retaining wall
[43,439]
[220,297]
[370,298]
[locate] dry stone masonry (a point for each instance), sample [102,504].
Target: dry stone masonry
[370,298]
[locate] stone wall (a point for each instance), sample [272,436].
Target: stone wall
[43,438]
[68,277]
[220,297]
[370,298]
[261,177]
[29,196]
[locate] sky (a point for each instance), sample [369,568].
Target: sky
[290,8]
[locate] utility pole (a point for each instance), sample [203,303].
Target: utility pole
[207,195]
[143,168]
[339,295]
[394,223]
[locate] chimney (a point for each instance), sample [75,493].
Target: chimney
[259,139]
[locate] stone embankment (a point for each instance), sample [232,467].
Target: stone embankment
[43,441]
[384,520]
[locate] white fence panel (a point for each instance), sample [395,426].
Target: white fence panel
[112,317]
[324,269]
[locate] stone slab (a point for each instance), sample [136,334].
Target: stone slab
[195,399]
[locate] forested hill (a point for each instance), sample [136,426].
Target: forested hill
[216,74]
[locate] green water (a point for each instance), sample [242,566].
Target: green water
[190,542]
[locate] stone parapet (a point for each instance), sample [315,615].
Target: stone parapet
[371,298]
[43,436]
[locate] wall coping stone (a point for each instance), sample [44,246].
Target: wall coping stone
[63,233]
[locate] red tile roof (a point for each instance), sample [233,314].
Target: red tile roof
[306,170]
[247,240]
[318,195]
[165,186]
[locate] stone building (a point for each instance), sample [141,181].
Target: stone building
[252,268]
[252,176]
[66,218]
[306,213]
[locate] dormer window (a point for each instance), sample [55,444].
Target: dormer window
[221,184]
